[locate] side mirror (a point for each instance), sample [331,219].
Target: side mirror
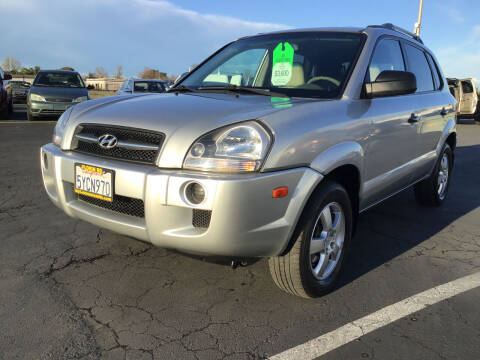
[90,87]
[391,83]
[7,77]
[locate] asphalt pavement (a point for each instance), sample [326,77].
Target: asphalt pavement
[69,290]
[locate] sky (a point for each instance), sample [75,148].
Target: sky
[172,35]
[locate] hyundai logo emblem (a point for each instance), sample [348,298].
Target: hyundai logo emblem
[107,141]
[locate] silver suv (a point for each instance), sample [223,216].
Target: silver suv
[269,148]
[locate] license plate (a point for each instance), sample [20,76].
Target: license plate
[94,181]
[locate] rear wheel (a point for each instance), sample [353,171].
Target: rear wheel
[433,190]
[312,266]
[10,106]
[476,116]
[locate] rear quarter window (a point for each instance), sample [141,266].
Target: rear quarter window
[436,73]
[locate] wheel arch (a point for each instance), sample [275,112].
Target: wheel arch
[449,136]
[348,176]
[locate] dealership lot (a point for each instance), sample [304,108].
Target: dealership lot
[71,290]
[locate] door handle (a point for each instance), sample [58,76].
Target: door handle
[444,112]
[414,118]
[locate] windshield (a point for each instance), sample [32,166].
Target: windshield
[55,79]
[303,64]
[149,86]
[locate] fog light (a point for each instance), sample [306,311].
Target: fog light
[194,193]
[45,161]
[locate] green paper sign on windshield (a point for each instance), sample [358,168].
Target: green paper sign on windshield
[282,64]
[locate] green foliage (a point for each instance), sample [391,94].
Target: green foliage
[26,71]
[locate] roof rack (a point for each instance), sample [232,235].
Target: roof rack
[390,26]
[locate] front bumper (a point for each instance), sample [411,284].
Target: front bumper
[245,220]
[19,97]
[37,108]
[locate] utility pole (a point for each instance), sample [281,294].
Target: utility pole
[418,24]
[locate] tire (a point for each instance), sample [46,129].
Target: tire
[433,190]
[4,114]
[294,271]
[30,117]
[10,106]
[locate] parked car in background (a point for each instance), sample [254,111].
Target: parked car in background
[133,86]
[468,98]
[269,148]
[53,92]
[6,101]
[18,90]
[454,87]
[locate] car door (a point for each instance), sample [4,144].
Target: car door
[468,104]
[392,147]
[433,108]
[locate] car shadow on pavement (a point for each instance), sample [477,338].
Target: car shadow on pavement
[400,224]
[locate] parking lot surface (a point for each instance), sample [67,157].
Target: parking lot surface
[69,290]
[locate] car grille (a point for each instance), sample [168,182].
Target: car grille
[201,218]
[133,144]
[121,204]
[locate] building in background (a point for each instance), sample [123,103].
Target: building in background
[23,77]
[110,84]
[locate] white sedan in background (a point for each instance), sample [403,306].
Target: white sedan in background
[133,86]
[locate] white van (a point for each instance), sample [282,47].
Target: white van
[469,98]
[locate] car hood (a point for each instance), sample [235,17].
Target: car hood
[183,117]
[58,92]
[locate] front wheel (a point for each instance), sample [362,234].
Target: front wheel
[322,237]
[30,116]
[433,190]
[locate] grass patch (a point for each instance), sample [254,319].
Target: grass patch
[95,94]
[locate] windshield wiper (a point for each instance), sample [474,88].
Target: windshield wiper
[181,88]
[231,87]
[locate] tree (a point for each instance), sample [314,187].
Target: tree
[10,64]
[15,65]
[6,64]
[119,74]
[148,73]
[67,68]
[100,72]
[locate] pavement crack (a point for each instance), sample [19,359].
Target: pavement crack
[73,261]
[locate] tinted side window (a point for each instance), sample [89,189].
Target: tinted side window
[387,56]
[436,74]
[417,64]
[467,87]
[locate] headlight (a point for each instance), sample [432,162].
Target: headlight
[237,148]
[35,97]
[59,130]
[80,99]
